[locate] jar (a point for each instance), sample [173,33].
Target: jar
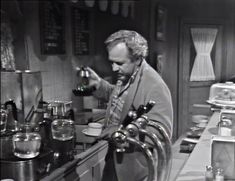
[26,144]
[219,175]
[63,129]
[209,173]
[225,127]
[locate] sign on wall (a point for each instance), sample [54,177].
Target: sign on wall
[81,31]
[52,27]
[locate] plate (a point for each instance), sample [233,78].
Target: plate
[223,104]
[201,121]
[201,125]
[89,134]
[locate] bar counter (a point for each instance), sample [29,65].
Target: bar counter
[84,170]
[75,169]
[195,167]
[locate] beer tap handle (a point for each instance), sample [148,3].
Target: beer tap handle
[141,110]
[145,108]
[150,105]
[129,118]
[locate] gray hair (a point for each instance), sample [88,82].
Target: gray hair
[137,44]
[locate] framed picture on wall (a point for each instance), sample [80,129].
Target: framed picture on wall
[160,24]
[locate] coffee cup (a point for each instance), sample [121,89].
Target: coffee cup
[94,129]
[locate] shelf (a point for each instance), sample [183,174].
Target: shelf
[201,83]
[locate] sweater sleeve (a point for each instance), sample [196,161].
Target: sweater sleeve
[158,91]
[162,111]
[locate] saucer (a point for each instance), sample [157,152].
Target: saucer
[89,134]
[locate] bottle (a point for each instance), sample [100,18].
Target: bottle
[209,173]
[219,175]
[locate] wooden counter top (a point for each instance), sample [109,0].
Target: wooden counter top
[194,168]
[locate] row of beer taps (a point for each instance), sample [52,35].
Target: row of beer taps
[133,131]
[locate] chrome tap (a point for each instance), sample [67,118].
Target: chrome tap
[166,139]
[148,155]
[139,127]
[121,137]
[133,115]
[135,125]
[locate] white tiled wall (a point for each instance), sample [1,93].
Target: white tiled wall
[57,75]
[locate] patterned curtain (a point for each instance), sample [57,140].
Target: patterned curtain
[203,39]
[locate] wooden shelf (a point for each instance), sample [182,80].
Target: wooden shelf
[201,83]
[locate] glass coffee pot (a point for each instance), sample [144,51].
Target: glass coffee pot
[83,88]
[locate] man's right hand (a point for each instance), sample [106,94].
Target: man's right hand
[94,78]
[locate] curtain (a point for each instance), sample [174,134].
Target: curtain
[203,40]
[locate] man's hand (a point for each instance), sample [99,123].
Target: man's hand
[94,78]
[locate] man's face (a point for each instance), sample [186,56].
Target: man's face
[121,61]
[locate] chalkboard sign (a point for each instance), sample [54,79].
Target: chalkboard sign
[81,31]
[52,27]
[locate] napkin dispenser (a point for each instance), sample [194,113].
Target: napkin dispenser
[223,155]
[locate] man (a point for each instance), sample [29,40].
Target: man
[137,84]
